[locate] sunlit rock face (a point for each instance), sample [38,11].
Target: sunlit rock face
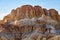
[28,11]
[30,23]
[54,14]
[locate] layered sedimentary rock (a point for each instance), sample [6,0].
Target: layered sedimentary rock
[30,23]
[28,11]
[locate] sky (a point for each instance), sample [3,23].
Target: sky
[7,5]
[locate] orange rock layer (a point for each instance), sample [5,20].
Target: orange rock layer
[28,11]
[29,23]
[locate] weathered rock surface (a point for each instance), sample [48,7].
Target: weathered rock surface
[57,37]
[30,23]
[28,11]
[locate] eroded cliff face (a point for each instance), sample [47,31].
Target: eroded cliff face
[28,11]
[30,23]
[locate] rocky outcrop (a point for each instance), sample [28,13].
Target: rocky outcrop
[28,11]
[29,29]
[54,14]
[30,23]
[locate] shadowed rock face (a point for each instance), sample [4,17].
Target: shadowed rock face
[30,23]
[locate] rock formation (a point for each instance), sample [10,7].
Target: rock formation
[28,11]
[30,23]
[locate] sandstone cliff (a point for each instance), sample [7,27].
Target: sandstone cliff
[30,23]
[28,11]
